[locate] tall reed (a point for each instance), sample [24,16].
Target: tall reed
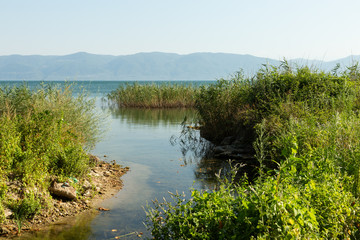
[166,95]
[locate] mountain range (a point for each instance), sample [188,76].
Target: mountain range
[141,66]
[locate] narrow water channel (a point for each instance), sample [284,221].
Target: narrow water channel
[139,139]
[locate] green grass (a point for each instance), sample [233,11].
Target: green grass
[305,127]
[165,95]
[44,134]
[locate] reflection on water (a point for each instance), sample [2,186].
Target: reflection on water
[191,144]
[197,151]
[76,228]
[153,117]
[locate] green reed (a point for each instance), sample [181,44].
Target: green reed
[166,95]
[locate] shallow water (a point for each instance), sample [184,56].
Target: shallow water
[139,139]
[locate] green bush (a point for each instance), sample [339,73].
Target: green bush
[291,204]
[25,208]
[235,106]
[49,132]
[223,108]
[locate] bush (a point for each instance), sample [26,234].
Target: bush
[291,204]
[223,108]
[25,208]
[235,106]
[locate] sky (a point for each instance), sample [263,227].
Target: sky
[311,29]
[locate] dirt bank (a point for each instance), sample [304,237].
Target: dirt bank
[102,182]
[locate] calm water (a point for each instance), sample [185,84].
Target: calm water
[139,139]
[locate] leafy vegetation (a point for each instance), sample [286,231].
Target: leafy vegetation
[153,96]
[44,134]
[304,125]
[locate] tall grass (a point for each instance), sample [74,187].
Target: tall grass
[43,133]
[303,121]
[165,95]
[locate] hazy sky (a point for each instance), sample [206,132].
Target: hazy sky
[311,29]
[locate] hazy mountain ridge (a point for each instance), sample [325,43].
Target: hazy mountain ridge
[141,66]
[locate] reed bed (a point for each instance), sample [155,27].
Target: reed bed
[166,95]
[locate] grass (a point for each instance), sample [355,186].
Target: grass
[304,125]
[45,134]
[165,95]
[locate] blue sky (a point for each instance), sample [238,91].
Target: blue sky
[311,29]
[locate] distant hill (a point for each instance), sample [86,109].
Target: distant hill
[140,66]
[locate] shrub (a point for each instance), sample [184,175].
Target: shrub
[25,208]
[286,205]
[235,106]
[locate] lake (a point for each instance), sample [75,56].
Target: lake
[140,139]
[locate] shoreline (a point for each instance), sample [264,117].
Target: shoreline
[102,183]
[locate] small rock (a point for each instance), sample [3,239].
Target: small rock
[227,141]
[87,193]
[86,185]
[63,190]
[8,213]
[103,209]
[94,159]
[94,174]
[239,143]
[219,149]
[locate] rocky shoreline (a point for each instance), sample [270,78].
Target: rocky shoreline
[235,148]
[102,182]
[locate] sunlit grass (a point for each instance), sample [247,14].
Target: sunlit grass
[166,95]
